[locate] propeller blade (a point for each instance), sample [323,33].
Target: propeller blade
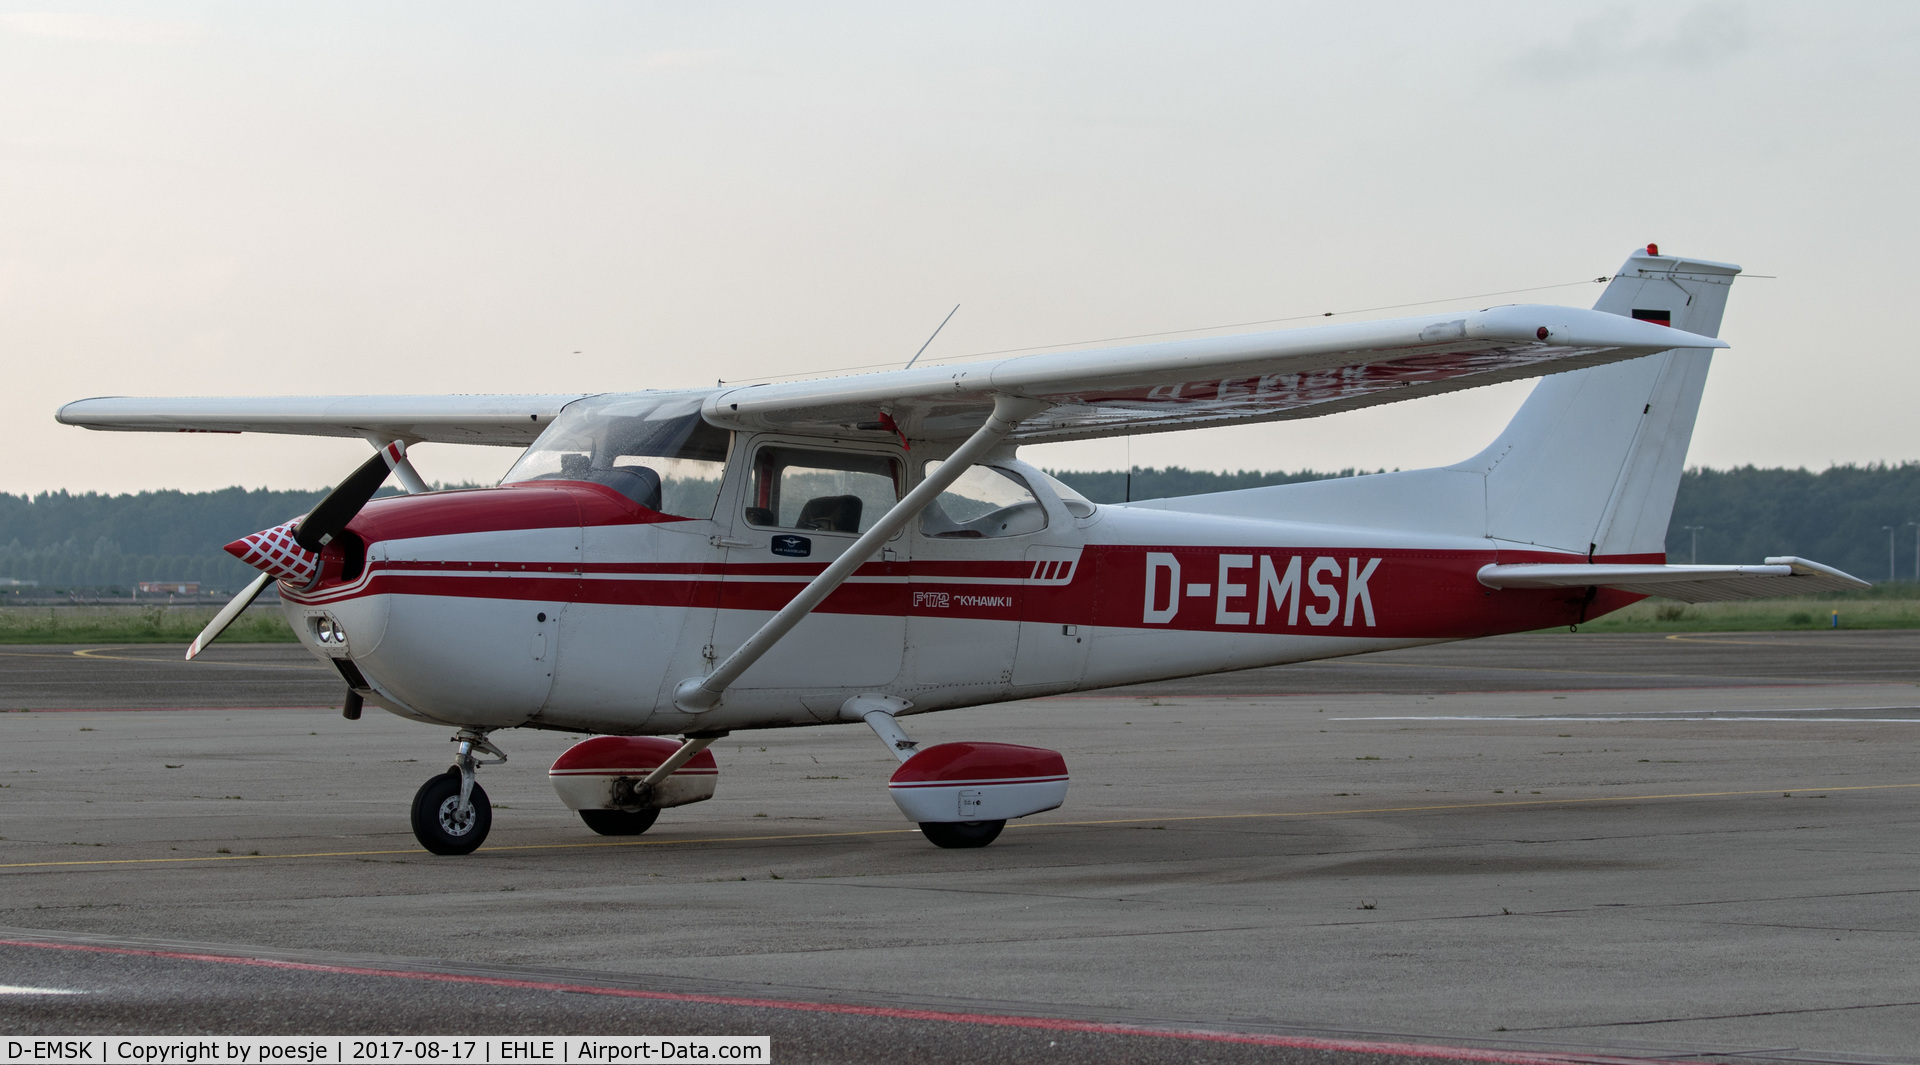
[234,608]
[330,518]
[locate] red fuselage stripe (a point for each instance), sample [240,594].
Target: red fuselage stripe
[1314,591]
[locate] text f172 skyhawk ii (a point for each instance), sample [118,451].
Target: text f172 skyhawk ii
[688,563]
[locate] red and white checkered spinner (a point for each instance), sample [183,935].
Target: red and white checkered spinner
[274,553]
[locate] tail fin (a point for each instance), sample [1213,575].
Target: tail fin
[1592,460]
[1589,464]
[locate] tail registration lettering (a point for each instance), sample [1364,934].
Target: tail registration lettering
[1255,590]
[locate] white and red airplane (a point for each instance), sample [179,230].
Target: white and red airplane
[869,547]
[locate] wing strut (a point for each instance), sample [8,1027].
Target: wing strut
[699,694]
[402,466]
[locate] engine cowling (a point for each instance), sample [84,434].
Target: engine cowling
[605,773]
[978,782]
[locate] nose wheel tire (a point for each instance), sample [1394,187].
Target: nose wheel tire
[619,822]
[955,835]
[439,823]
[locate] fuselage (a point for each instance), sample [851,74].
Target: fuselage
[565,604]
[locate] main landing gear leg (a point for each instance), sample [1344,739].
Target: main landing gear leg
[451,813]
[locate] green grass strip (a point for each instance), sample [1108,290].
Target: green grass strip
[135,624]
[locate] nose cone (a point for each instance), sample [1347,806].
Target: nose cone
[274,553]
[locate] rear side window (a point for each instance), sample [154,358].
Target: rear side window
[820,491]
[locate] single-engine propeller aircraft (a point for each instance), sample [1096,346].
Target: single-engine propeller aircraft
[865,548]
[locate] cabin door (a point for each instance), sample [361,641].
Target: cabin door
[803,505]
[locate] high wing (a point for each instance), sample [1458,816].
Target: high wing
[1783,575]
[501,420]
[1181,384]
[1184,384]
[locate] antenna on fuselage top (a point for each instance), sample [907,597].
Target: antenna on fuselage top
[936,332]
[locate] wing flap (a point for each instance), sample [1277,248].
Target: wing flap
[508,420]
[1781,576]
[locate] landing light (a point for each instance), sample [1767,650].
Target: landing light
[328,631]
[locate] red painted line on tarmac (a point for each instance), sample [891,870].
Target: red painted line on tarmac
[148,709]
[998,1020]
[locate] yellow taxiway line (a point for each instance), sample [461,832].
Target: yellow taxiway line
[99,654]
[601,844]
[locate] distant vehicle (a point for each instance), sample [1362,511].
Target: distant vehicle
[870,547]
[169,587]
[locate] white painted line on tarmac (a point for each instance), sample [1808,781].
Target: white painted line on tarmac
[9,989]
[1810,714]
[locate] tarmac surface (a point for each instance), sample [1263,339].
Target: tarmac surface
[1534,848]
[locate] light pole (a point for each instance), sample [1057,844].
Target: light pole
[1695,530]
[1889,528]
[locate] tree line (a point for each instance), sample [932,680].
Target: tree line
[1841,516]
[68,542]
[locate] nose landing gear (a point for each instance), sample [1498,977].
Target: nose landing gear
[451,813]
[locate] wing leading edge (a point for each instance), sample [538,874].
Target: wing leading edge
[507,420]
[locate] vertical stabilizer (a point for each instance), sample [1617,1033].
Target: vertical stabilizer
[1592,460]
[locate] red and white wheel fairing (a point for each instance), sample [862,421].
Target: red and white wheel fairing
[600,774]
[979,782]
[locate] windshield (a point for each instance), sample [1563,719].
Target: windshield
[654,449]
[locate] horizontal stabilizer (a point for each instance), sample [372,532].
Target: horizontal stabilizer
[1781,576]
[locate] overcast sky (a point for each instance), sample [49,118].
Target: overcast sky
[246,198]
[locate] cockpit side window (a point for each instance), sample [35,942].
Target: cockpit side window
[663,459]
[820,491]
